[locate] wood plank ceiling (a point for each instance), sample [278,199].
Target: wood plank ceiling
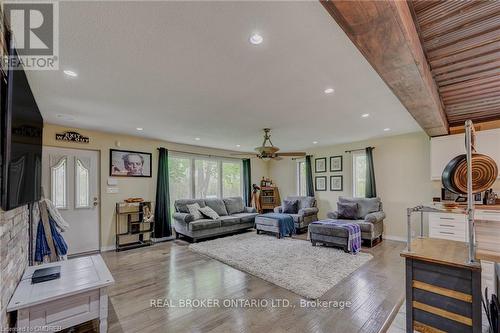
[461,40]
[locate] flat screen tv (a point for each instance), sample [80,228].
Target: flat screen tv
[21,146]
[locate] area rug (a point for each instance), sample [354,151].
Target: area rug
[296,265]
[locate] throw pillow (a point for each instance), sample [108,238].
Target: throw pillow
[194,209]
[290,206]
[209,212]
[347,210]
[234,205]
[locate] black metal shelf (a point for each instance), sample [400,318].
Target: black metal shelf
[142,209]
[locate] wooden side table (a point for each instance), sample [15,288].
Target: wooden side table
[443,290]
[79,295]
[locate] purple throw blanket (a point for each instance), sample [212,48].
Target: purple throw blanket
[353,230]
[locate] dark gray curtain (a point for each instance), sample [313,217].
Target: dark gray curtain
[247,182]
[371,188]
[309,177]
[162,205]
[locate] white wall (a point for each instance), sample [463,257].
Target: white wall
[131,187]
[402,173]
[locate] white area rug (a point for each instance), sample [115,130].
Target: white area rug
[293,264]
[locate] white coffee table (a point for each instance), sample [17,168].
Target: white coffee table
[79,295]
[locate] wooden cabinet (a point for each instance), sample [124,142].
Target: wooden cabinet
[269,198]
[444,148]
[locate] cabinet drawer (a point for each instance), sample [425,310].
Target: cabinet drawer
[443,233]
[489,215]
[445,224]
[447,218]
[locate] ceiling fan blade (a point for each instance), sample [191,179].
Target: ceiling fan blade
[291,154]
[277,158]
[243,154]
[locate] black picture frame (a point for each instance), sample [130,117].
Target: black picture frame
[332,159]
[316,188]
[316,169]
[116,171]
[336,189]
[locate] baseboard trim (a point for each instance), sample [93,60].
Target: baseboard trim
[163,239]
[108,248]
[394,238]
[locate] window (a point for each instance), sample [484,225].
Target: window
[192,176]
[358,174]
[180,184]
[231,179]
[58,183]
[206,179]
[82,183]
[301,178]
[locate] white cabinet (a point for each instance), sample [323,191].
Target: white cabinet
[448,226]
[454,227]
[444,148]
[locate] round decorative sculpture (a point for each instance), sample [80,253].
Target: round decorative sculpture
[484,174]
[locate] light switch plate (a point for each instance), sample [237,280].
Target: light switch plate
[112,181]
[112,190]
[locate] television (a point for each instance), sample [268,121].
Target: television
[21,141]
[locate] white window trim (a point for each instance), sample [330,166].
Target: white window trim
[354,154]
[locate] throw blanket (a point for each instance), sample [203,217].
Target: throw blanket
[42,247]
[286,224]
[354,233]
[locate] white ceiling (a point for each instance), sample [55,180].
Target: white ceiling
[183,70]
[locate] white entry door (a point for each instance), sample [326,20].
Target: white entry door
[70,179]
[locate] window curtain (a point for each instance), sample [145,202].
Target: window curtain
[247,182]
[309,177]
[371,189]
[162,206]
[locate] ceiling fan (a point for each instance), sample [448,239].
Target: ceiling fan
[268,151]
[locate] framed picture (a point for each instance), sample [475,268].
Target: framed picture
[127,163]
[320,165]
[320,183]
[336,163]
[336,183]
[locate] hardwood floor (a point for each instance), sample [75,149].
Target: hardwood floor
[171,271]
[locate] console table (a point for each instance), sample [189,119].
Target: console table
[79,295]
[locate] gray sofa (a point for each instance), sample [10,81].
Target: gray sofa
[308,212]
[234,216]
[370,217]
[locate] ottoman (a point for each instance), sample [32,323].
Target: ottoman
[329,234]
[271,223]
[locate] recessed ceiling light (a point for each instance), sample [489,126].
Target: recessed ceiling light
[70,73]
[315,142]
[139,128]
[387,129]
[365,115]
[256,39]
[329,90]
[197,139]
[238,145]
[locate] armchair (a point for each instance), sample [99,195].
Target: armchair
[370,217]
[307,211]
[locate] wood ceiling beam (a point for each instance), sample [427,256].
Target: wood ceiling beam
[385,34]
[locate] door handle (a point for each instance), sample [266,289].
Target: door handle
[96,201]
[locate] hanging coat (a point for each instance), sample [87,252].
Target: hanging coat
[42,247]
